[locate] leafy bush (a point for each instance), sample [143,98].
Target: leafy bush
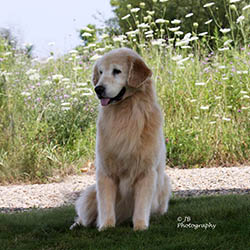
[48,109]
[206,15]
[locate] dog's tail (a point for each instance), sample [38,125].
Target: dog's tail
[86,208]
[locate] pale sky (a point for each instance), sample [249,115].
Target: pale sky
[44,21]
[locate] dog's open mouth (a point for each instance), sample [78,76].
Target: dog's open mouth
[106,101]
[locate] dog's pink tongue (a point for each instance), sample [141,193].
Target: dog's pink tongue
[105,101]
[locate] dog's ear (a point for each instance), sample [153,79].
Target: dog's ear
[95,74]
[138,72]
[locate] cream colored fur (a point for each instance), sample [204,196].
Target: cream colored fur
[130,148]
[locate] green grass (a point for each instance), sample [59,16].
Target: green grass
[49,229]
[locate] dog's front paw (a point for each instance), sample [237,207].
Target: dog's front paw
[140,225]
[108,224]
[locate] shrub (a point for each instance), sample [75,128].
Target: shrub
[48,109]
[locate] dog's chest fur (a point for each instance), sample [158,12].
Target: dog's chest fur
[125,147]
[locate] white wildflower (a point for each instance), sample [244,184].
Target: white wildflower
[193,100]
[65,108]
[34,77]
[239,72]
[158,42]
[243,92]
[196,24]
[160,20]
[77,68]
[221,67]
[209,21]
[228,42]
[135,10]
[86,34]
[246,7]
[217,97]
[226,119]
[149,32]
[65,104]
[200,83]
[57,77]
[176,21]
[143,25]
[24,93]
[91,45]
[87,29]
[182,43]
[204,107]
[245,96]
[223,49]
[189,15]
[94,57]
[183,60]
[73,51]
[81,84]
[187,36]
[208,4]
[224,31]
[31,71]
[132,33]
[125,17]
[203,34]
[163,1]
[119,38]
[151,13]
[193,38]
[65,80]
[234,1]
[103,36]
[99,50]
[177,58]
[7,53]
[212,122]
[240,19]
[47,82]
[142,5]
[174,29]
[179,33]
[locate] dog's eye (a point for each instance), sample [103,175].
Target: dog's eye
[116,71]
[100,72]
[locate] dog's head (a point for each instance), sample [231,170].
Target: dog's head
[116,73]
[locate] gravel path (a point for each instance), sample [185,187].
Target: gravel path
[185,182]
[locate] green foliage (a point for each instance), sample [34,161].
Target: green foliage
[48,110]
[49,229]
[88,34]
[222,13]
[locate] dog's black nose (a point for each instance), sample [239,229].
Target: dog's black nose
[99,90]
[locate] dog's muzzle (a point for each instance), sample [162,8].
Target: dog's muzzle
[100,91]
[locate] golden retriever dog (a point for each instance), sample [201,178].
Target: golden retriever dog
[130,147]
